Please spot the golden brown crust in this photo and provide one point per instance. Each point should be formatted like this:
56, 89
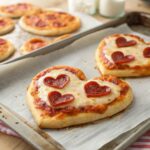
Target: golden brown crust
107, 67
6, 25
48, 118
50, 23
18, 10
6, 50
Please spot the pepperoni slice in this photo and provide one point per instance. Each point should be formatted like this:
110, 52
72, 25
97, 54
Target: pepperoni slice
10, 8
22, 6
60, 82
57, 99
2, 23
35, 44
51, 17
119, 58
122, 42
58, 24
40, 23
36, 21
93, 89
33, 19
2, 41
146, 52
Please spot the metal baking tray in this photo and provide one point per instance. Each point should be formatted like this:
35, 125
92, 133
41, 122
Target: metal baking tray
132, 19
140, 22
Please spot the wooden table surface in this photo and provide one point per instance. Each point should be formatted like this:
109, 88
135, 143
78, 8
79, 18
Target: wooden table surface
13, 143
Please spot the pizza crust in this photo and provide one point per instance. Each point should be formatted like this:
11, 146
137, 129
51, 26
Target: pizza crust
64, 120
7, 52
26, 47
10, 25
103, 64
71, 27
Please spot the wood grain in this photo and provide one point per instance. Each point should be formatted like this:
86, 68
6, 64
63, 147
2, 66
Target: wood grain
13, 143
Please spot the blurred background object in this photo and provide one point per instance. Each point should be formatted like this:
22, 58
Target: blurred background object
112, 8
147, 1
86, 6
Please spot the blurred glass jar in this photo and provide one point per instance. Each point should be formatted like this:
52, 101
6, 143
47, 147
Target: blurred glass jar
112, 8
86, 6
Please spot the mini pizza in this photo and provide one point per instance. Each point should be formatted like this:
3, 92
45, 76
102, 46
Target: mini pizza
33, 44
6, 25
50, 23
6, 49
61, 96
123, 55
18, 10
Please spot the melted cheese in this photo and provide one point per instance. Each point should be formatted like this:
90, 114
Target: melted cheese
76, 87
136, 50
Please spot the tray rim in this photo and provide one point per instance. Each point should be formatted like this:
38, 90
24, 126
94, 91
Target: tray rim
122, 21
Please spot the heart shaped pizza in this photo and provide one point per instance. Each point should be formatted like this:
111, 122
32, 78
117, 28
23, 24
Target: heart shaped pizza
61, 96
123, 55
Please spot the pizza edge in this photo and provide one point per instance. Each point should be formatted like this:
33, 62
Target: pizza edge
103, 64
9, 52
62, 120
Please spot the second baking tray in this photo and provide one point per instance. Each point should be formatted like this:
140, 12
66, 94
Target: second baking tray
79, 54
18, 36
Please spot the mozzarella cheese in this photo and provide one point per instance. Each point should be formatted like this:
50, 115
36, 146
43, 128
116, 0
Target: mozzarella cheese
76, 87
136, 50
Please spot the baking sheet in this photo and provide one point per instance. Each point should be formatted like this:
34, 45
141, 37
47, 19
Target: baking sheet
15, 77
18, 36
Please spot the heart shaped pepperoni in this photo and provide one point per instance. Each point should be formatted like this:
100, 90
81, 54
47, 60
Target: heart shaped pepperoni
57, 99
146, 52
119, 58
93, 89
2, 41
122, 42
60, 82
